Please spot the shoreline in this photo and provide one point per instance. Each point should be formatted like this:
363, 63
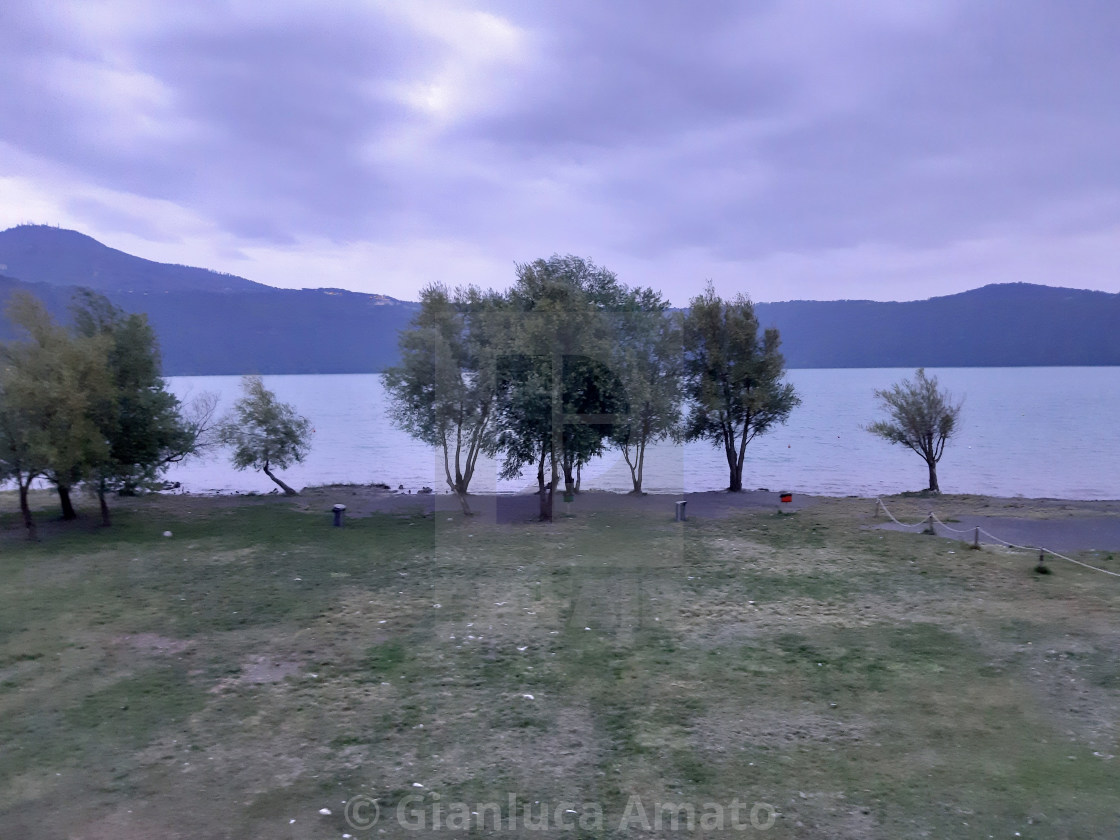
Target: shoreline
1056, 524
443, 493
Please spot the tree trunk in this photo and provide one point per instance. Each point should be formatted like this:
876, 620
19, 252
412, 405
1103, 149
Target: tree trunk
641, 466
933, 488
579, 476
288, 491
550, 497
735, 471
569, 479
462, 494
540, 474
630, 466
68, 512
556, 436
546, 497
635, 466
106, 520
25, 509
640, 448
734, 467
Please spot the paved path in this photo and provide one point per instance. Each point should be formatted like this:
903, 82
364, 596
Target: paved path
1073, 533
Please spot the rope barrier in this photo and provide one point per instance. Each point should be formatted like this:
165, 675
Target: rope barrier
1079, 563
932, 518
895, 521
949, 528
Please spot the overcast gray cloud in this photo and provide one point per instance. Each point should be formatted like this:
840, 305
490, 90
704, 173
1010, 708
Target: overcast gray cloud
789, 149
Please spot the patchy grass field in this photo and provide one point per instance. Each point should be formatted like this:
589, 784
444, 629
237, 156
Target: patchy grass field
259, 665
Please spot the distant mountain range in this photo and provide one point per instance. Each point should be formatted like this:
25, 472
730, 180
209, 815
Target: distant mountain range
208, 322
213, 323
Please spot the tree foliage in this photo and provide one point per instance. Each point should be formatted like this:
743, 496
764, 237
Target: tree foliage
922, 417
141, 421
445, 388
560, 396
733, 377
88, 405
52, 386
264, 432
570, 361
647, 359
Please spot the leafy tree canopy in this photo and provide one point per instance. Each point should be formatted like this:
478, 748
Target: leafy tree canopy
921, 417
51, 388
734, 377
560, 395
264, 432
445, 388
142, 421
647, 359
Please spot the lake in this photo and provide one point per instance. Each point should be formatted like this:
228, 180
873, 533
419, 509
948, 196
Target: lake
1024, 432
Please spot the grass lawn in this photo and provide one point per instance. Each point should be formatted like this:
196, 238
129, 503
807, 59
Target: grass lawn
259, 665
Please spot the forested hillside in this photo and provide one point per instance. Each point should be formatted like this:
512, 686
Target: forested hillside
210, 323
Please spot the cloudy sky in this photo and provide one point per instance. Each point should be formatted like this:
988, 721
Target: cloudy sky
883, 149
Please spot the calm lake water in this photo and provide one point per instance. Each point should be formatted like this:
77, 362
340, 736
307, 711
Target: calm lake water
1024, 431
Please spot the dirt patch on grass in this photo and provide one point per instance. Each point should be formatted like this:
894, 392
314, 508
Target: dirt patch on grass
727, 622
731, 729
548, 741
258, 670
152, 644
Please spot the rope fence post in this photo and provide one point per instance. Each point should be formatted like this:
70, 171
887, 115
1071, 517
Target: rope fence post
976, 538
1041, 568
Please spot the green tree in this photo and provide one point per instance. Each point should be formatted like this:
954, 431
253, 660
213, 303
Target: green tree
647, 360
50, 387
445, 388
922, 417
733, 377
264, 432
560, 397
144, 425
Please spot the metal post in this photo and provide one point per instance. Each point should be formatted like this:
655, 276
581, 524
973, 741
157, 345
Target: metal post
338, 511
681, 515
976, 538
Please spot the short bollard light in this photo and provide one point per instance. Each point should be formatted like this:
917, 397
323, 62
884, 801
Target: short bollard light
681, 515
338, 511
